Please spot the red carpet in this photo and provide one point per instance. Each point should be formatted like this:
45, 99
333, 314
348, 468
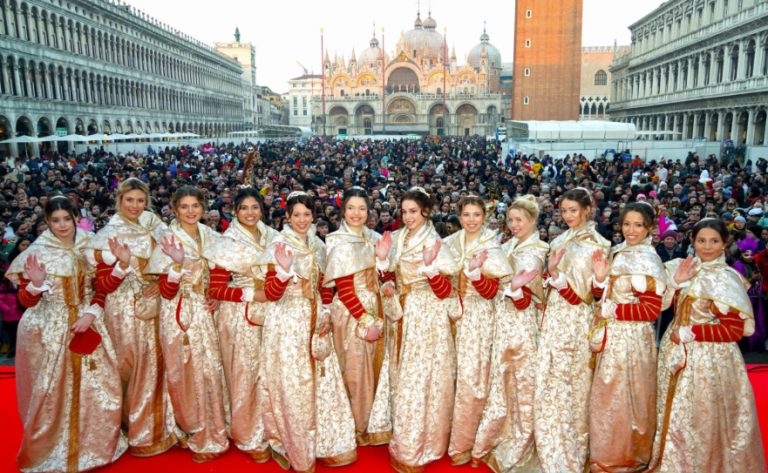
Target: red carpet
369, 459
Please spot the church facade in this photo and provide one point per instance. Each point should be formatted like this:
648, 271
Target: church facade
421, 89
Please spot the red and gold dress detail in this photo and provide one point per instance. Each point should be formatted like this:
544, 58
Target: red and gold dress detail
69, 403
239, 324
563, 373
505, 439
307, 416
622, 409
133, 324
423, 383
190, 344
474, 335
706, 415
351, 268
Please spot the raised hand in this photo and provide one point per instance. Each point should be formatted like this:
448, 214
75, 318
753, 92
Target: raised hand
283, 256
599, 266
430, 254
174, 250
383, 245
121, 251
554, 260
686, 270
522, 278
477, 260
35, 270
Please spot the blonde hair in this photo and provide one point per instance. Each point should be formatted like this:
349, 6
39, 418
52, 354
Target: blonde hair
132, 184
527, 204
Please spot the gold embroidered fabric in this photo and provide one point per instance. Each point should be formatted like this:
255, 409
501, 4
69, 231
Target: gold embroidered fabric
147, 410
505, 437
423, 385
69, 404
712, 419
307, 415
563, 375
623, 395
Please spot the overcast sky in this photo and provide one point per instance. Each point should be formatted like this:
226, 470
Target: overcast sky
286, 33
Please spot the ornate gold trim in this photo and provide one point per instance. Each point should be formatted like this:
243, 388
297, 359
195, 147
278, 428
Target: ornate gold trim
403, 468
73, 440
373, 439
339, 460
154, 449
280, 459
206, 457
258, 456
461, 458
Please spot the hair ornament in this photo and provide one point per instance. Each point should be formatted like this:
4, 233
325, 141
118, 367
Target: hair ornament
295, 194
420, 189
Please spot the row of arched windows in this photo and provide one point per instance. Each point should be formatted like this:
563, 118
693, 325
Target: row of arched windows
24, 77
726, 63
39, 26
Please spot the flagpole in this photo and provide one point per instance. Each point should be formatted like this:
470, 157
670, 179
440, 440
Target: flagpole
383, 67
322, 72
445, 73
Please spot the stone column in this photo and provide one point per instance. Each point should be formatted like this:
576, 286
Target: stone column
695, 131
684, 136
741, 71
751, 127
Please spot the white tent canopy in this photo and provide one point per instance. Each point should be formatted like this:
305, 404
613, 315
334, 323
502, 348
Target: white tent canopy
570, 130
96, 137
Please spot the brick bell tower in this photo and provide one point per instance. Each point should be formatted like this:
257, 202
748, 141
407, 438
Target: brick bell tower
547, 61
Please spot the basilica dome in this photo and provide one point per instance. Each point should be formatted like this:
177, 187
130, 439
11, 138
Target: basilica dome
422, 42
371, 56
494, 56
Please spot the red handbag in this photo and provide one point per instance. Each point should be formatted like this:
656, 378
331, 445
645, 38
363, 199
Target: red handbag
85, 343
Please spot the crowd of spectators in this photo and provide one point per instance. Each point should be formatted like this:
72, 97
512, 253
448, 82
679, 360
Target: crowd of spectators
683, 190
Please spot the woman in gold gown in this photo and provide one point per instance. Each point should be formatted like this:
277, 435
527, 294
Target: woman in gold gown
505, 438
706, 416
563, 374
188, 335
484, 265
307, 416
120, 251
241, 316
622, 407
423, 386
357, 314
67, 382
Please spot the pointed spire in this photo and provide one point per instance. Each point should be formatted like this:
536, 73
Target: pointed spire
484, 38
417, 24
453, 52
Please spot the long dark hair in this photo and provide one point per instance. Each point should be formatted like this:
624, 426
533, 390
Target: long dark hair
60, 202
712, 223
246, 192
355, 192
303, 199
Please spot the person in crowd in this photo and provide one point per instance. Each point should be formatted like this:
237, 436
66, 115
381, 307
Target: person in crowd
423, 386
484, 265
357, 314
745, 264
67, 382
188, 335
505, 438
564, 375
307, 415
240, 317
120, 252
701, 369
10, 307
622, 404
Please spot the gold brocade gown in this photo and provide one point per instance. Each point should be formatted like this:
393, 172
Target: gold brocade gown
69, 404
307, 416
563, 375
623, 395
364, 365
711, 418
240, 330
190, 346
474, 338
147, 411
423, 383
505, 439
